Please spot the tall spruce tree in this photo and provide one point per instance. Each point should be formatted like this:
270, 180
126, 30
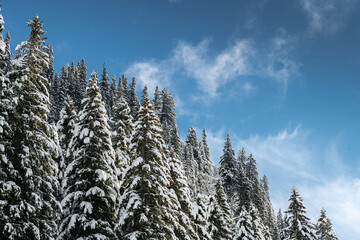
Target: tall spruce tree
244, 226
157, 100
122, 132
208, 175
242, 196
185, 225
66, 129
105, 88
324, 228
32, 211
91, 188
201, 223
112, 95
146, 206
300, 227
134, 103
228, 168
281, 224
8, 188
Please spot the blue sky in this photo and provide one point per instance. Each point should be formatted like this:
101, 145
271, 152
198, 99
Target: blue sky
282, 77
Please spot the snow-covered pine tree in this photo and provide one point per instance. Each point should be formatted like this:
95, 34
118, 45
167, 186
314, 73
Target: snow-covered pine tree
134, 103
218, 227
112, 95
221, 199
119, 90
200, 213
244, 226
261, 232
191, 169
300, 227
81, 69
157, 99
242, 196
91, 188
105, 88
122, 131
257, 193
8, 188
324, 228
32, 212
66, 128
124, 88
185, 225
146, 206
228, 168
49, 72
269, 218
281, 224
57, 98
208, 175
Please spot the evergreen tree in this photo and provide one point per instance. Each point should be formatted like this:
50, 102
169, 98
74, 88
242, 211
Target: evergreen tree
32, 211
228, 168
208, 175
49, 72
57, 98
81, 82
324, 228
300, 227
112, 95
105, 88
66, 128
124, 88
146, 206
244, 226
261, 232
91, 188
133, 99
257, 193
122, 131
191, 169
157, 100
242, 196
201, 218
120, 90
281, 224
185, 225
8, 188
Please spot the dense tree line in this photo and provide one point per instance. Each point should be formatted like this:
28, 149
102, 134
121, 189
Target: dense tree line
85, 159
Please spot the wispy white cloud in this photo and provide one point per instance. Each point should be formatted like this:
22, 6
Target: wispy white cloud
211, 71
327, 16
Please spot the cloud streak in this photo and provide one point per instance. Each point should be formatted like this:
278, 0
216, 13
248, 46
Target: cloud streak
210, 72
326, 16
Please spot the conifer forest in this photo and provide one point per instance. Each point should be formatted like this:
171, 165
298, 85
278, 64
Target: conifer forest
83, 155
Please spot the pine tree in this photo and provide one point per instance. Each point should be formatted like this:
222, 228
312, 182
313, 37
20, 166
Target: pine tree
324, 228
112, 95
66, 128
208, 175
49, 72
133, 99
168, 116
146, 206
218, 227
8, 188
257, 193
300, 227
32, 212
122, 131
57, 98
120, 90
201, 217
242, 196
157, 100
105, 88
91, 189
261, 232
81, 82
191, 169
228, 168
185, 225
244, 226
281, 224
124, 88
